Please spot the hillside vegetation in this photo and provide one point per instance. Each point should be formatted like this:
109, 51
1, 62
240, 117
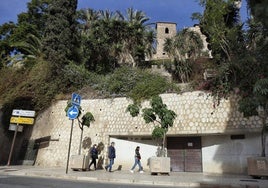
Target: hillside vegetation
55, 49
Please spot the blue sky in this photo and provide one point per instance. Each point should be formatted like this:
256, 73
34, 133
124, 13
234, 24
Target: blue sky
177, 11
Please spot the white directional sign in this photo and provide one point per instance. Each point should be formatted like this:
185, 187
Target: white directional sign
24, 113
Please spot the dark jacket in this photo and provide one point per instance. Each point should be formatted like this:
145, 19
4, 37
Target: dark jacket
94, 153
111, 152
137, 154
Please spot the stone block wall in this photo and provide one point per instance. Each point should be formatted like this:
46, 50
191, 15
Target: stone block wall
196, 115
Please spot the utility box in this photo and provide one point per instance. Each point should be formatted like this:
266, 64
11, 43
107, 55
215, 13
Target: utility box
79, 162
159, 164
257, 166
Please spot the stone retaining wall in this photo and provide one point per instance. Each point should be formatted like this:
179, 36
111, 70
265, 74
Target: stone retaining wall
196, 115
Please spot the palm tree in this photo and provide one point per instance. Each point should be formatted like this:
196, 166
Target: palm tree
138, 40
88, 16
184, 48
27, 48
107, 15
116, 39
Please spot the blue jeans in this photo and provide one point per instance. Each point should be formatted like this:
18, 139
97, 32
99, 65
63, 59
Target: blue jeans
109, 166
137, 162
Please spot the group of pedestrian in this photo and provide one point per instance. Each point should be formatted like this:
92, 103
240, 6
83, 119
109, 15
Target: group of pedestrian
112, 155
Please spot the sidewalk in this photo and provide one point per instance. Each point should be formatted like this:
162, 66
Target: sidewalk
174, 179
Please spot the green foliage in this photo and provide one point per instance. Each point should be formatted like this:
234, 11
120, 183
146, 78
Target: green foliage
158, 132
158, 113
87, 119
148, 115
184, 48
261, 87
134, 83
240, 56
75, 76
220, 22
166, 116
248, 107
60, 43
22, 41
133, 109
69, 104
259, 11
114, 39
122, 80
150, 85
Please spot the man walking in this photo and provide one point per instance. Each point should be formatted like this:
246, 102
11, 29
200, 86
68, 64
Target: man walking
111, 156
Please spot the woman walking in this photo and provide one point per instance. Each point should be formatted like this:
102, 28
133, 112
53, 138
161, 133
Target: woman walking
137, 160
94, 156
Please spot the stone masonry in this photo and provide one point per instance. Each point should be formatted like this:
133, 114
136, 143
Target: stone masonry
196, 115
164, 30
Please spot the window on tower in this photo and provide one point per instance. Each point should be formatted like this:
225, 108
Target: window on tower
167, 30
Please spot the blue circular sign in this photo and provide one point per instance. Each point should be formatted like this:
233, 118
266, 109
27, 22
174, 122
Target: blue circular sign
73, 112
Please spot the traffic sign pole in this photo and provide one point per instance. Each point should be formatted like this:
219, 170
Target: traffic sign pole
69, 146
12, 145
72, 113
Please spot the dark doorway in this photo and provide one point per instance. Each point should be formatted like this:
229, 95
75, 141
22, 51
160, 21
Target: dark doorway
185, 154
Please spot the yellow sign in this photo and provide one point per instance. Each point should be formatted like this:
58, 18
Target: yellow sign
22, 120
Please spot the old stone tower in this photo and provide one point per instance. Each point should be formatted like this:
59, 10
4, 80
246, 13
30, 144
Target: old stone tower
164, 30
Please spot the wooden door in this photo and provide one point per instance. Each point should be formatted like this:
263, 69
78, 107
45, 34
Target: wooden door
185, 154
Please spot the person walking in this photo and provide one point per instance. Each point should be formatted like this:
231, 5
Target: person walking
94, 156
111, 156
137, 160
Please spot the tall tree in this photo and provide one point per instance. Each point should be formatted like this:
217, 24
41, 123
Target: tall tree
241, 59
184, 48
61, 44
158, 114
36, 15
139, 35
113, 39
6, 31
254, 87
220, 23
22, 40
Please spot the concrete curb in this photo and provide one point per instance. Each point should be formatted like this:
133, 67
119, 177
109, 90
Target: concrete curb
190, 180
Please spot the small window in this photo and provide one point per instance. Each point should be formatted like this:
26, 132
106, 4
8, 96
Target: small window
167, 30
237, 137
163, 53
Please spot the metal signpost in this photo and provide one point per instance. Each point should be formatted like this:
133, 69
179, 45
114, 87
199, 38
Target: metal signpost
19, 120
72, 113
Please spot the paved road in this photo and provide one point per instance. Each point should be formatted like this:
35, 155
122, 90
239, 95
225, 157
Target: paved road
32, 182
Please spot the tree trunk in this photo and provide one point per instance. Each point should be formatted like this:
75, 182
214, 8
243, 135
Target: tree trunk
263, 134
80, 144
